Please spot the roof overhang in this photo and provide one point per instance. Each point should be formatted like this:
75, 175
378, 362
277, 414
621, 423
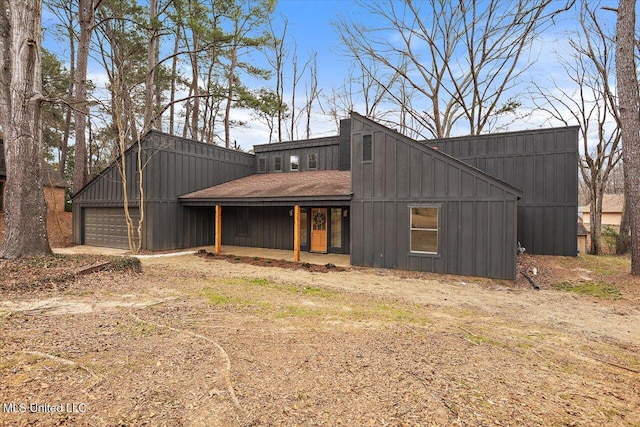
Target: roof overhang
311, 188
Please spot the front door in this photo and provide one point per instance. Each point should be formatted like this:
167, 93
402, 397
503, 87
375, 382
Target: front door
318, 230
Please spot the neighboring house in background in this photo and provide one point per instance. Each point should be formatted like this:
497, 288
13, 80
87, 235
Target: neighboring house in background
582, 237
611, 212
54, 187
385, 199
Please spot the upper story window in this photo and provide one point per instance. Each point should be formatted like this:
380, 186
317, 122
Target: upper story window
367, 148
424, 229
277, 163
312, 161
295, 162
262, 164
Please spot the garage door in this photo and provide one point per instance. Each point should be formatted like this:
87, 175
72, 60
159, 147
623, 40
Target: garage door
107, 227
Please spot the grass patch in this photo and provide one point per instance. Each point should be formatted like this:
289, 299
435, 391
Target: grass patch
591, 288
605, 265
317, 292
214, 298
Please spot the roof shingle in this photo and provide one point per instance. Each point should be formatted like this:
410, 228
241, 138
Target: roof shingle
280, 185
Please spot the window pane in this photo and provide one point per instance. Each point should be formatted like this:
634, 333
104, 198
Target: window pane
312, 162
262, 164
277, 163
424, 241
303, 227
319, 220
336, 228
295, 163
424, 218
367, 148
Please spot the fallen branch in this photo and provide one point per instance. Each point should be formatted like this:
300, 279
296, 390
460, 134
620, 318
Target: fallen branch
64, 361
225, 356
615, 365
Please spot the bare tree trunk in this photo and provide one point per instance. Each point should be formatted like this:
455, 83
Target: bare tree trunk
195, 89
67, 119
174, 77
622, 243
86, 16
595, 218
230, 91
20, 115
152, 61
629, 103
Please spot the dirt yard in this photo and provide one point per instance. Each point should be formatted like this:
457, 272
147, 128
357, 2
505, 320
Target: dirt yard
200, 341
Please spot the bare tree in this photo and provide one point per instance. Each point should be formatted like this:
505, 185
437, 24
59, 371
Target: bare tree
276, 55
312, 93
629, 104
592, 104
86, 17
461, 58
20, 115
64, 12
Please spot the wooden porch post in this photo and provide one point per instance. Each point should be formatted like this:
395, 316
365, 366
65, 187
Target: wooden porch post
296, 233
218, 248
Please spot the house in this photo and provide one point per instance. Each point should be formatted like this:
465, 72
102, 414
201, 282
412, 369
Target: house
54, 187
582, 237
612, 205
385, 199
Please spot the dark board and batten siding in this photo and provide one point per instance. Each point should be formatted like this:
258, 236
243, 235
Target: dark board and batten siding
541, 163
174, 166
270, 227
326, 150
477, 227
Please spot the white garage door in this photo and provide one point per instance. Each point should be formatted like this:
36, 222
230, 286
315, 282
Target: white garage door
107, 227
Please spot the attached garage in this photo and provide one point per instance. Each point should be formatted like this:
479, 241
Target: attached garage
107, 227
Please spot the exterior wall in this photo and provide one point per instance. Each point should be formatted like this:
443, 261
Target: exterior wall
543, 164
611, 219
174, 166
477, 224
55, 199
582, 244
326, 150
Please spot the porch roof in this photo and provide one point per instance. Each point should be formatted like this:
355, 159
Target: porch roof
277, 188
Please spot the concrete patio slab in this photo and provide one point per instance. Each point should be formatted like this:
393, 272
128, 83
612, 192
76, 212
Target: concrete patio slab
312, 258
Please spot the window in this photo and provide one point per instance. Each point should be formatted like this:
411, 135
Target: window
336, 228
294, 162
312, 161
262, 165
277, 163
367, 148
424, 229
303, 227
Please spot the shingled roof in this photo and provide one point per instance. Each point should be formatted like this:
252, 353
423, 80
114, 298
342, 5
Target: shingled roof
326, 184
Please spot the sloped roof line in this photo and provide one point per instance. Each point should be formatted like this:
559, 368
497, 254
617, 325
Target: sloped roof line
506, 186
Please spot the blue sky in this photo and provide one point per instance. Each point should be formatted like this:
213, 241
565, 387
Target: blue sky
309, 24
